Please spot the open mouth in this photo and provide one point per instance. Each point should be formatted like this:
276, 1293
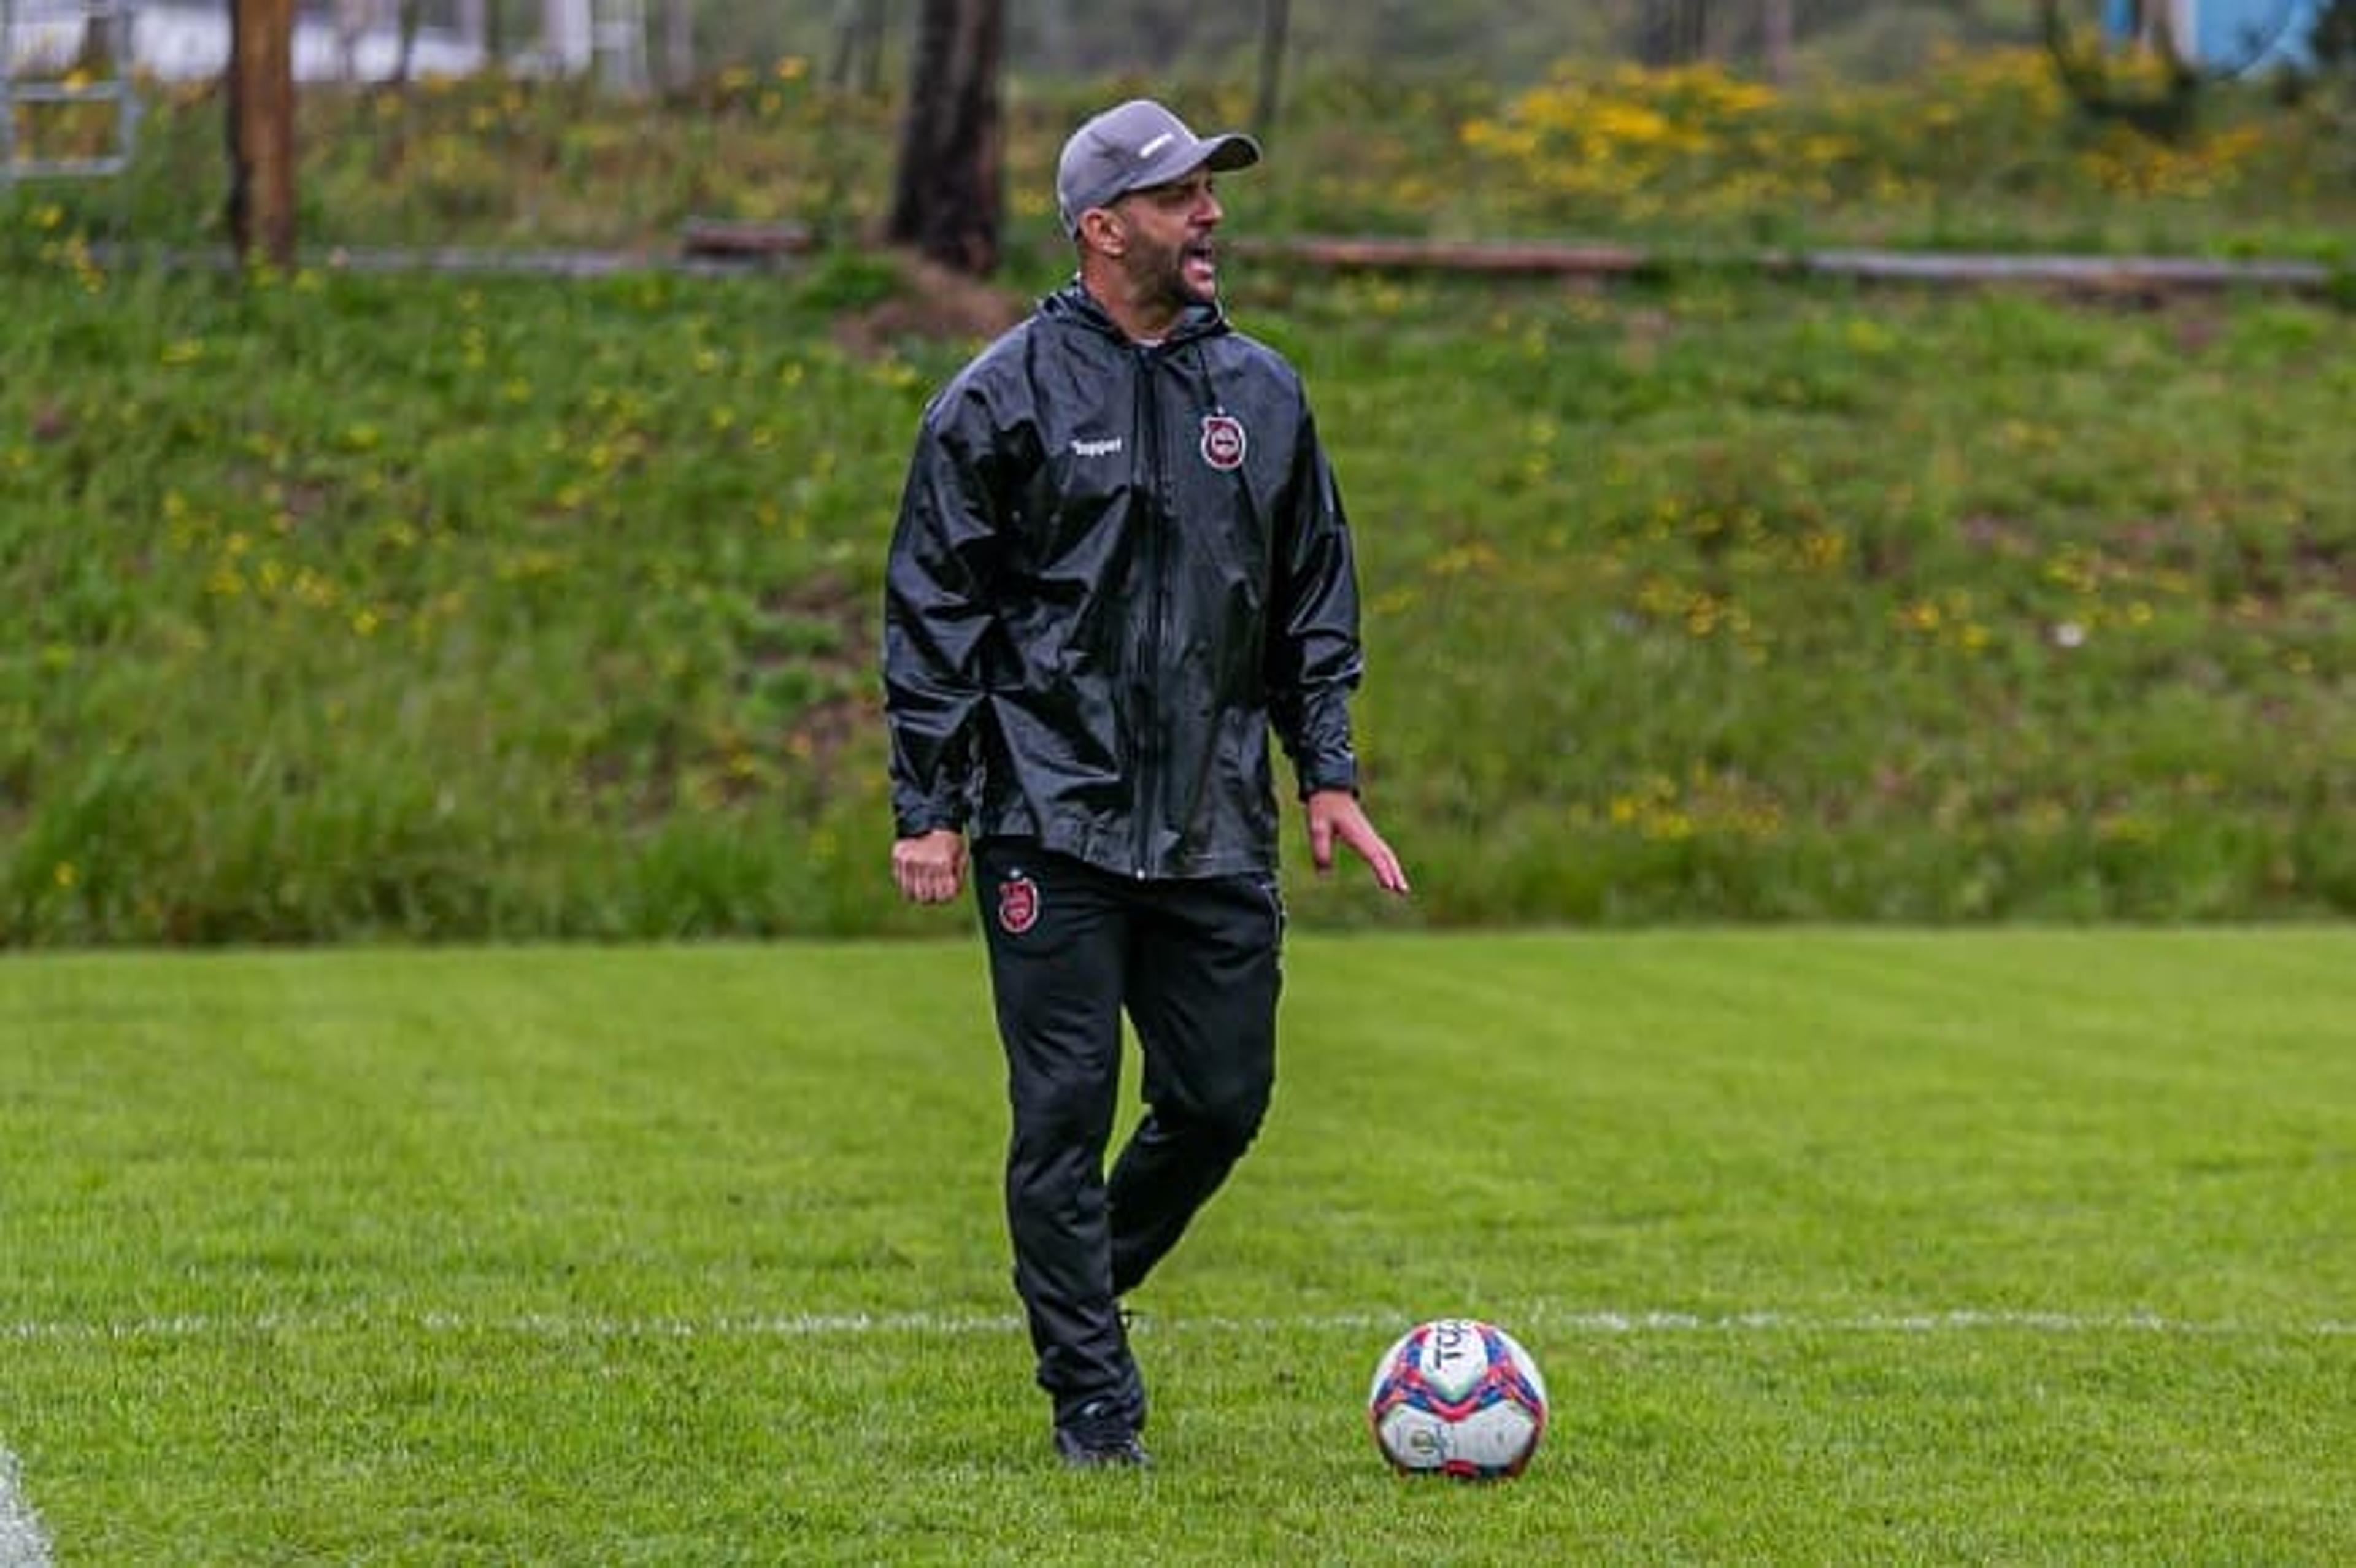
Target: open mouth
1201, 262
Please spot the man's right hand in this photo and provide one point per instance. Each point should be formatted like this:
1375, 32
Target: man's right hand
929, 867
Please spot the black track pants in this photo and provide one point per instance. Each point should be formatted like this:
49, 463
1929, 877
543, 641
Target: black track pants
1195, 964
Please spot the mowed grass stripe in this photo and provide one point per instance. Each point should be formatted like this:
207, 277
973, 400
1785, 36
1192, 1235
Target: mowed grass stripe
917, 1325
1835, 1246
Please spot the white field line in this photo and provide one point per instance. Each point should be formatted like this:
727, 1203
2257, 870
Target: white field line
22, 1544
863, 1325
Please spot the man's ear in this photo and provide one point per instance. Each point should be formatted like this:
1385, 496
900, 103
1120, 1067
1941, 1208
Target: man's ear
1104, 231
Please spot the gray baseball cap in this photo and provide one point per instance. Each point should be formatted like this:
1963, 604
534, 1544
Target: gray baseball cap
1134, 145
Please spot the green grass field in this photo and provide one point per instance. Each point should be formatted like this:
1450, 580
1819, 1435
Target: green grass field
2017, 1246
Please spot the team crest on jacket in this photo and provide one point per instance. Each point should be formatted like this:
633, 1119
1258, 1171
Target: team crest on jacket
1223, 441
1018, 904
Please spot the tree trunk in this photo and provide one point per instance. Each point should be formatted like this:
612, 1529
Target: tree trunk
952, 146
1672, 32
2167, 112
679, 45
1057, 50
1275, 34
1776, 39
409, 15
858, 29
261, 82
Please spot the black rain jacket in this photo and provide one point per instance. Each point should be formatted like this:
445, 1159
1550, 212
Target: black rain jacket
1116, 569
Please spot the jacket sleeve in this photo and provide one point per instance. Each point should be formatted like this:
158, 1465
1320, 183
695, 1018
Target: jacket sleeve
1314, 657
938, 615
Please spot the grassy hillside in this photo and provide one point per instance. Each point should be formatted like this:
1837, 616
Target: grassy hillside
351, 605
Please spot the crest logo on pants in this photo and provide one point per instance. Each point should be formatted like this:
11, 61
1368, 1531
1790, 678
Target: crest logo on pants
1223, 441
1018, 904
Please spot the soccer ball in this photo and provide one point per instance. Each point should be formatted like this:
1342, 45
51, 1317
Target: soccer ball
1457, 1397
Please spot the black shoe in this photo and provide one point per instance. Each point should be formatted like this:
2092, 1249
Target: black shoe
1099, 1432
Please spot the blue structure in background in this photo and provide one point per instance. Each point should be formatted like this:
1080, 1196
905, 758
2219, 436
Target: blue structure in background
2227, 34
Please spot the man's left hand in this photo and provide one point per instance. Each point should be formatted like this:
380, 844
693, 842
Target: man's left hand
1334, 815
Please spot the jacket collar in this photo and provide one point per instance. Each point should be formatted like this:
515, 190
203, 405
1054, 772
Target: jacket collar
1073, 305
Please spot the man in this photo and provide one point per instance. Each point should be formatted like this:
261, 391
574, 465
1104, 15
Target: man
1120, 560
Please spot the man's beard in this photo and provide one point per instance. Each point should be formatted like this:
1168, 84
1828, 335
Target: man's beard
1170, 270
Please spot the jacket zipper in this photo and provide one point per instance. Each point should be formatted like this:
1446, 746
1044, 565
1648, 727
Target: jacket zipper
1148, 751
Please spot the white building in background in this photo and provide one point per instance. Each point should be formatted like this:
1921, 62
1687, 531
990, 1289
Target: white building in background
356, 40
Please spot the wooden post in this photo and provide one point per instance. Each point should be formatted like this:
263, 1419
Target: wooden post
262, 130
